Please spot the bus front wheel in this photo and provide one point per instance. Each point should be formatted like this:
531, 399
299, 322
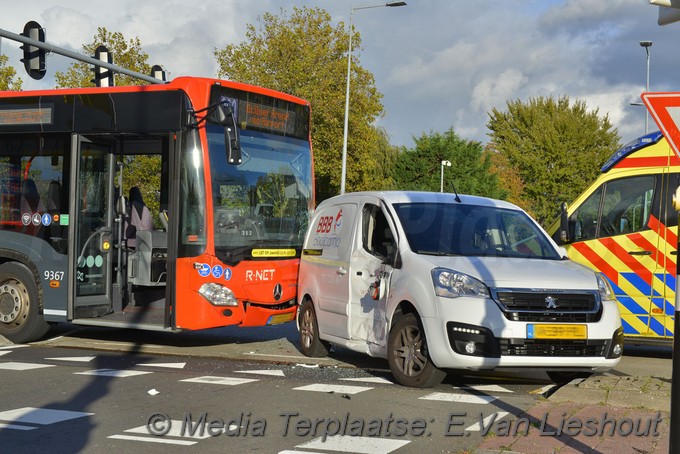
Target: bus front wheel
20, 320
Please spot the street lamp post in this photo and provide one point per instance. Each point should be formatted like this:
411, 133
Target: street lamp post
646, 45
441, 180
349, 72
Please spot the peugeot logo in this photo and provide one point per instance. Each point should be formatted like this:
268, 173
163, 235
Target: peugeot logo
278, 291
550, 303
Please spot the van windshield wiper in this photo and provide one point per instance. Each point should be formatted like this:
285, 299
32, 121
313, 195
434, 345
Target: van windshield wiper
438, 253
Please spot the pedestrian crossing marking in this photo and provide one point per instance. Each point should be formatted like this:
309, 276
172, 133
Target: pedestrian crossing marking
485, 388
117, 373
12, 365
78, 359
15, 427
4, 352
167, 365
324, 388
476, 427
379, 380
357, 445
459, 398
270, 372
40, 416
12, 346
167, 441
230, 381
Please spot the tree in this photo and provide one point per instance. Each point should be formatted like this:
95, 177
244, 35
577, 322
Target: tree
420, 168
555, 146
304, 55
128, 54
7, 75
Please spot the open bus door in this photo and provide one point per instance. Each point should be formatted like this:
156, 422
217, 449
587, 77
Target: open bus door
91, 254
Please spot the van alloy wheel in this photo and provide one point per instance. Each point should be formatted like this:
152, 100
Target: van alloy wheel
310, 344
408, 357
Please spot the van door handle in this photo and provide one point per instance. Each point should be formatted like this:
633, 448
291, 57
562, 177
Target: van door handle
341, 271
640, 252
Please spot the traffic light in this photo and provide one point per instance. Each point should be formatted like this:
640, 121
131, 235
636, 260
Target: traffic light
158, 72
103, 77
34, 57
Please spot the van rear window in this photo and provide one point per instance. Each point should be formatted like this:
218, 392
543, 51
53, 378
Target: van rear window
472, 230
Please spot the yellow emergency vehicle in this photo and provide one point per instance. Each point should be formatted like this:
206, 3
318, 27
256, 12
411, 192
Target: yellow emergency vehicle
625, 226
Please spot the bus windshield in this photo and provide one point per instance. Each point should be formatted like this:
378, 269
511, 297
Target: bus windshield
261, 206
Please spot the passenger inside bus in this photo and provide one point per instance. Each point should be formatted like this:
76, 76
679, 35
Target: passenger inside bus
139, 217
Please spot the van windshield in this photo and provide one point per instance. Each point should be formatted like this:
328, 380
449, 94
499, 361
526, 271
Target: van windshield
472, 230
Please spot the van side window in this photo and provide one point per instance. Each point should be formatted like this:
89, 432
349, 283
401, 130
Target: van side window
624, 207
376, 236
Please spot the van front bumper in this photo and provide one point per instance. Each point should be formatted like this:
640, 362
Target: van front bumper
485, 339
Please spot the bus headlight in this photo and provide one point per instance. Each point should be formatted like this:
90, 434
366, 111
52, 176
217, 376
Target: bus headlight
604, 288
452, 284
218, 295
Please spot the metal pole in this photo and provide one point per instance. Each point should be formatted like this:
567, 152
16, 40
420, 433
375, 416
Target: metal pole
67, 53
343, 177
674, 442
647, 91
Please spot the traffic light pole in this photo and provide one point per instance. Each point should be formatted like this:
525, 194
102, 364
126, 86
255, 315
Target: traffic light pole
76, 56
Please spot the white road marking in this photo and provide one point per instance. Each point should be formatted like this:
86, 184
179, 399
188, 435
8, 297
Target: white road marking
168, 365
149, 439
113, 373
23, 366
360, 445
79, 359
486, 388
323, 388
40, 416
476, 427
379, 380
15, 427
12, 346
271, 372
231, 381
459, 398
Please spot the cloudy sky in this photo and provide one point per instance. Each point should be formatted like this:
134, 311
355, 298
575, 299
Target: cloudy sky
439, 63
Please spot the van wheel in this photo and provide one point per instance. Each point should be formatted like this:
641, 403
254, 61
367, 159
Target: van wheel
408, 357
20, 320
310, 344
560, 377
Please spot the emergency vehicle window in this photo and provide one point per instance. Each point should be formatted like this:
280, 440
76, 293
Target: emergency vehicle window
377, 238
583, 223
669, 217
627, 205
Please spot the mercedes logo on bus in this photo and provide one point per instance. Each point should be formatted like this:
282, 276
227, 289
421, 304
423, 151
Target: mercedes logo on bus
278, 291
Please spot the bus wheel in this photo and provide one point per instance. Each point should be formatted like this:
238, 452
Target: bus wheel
20, 320
408, 357
310, 344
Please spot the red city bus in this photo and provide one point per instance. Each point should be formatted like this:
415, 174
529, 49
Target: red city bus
162, 207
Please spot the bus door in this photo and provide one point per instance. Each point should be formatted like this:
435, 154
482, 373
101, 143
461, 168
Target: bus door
91, 254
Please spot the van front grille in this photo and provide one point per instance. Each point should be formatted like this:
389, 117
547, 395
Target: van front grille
549, 306
551, 347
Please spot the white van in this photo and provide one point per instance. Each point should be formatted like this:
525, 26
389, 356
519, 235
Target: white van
436, 281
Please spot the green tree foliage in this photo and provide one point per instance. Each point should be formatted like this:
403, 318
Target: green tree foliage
7, 76
420, 168
556, 147
305, 55
128, 54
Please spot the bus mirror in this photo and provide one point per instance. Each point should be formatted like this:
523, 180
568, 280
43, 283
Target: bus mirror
564, 224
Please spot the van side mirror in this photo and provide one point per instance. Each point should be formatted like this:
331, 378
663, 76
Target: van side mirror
564, 225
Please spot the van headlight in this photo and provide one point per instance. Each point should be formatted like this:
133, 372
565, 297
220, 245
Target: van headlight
604, 288
452, 284
218, 295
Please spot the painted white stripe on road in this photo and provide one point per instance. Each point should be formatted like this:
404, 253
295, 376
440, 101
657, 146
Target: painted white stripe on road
15, 427
345, 389
460, 398
359, 445
40, 416
487, 421
271, 372
5, 352
79, 359
167, 441
117, 373
379, 380
220, 380
176, 430
23, 366
167, 365
485, 388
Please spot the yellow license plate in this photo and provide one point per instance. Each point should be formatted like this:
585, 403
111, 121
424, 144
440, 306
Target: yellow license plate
557, 332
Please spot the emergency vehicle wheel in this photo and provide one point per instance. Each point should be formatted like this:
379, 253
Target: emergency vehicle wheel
408, 357
310, 344
20, 320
